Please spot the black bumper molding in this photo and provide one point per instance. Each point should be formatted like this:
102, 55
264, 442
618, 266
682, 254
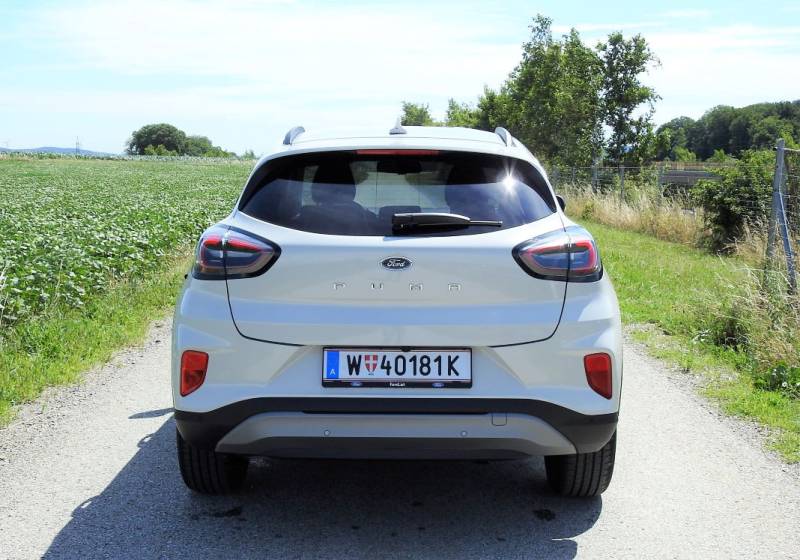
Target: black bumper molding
587, 432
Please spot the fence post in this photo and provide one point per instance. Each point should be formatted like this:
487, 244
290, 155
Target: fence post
595, 181
621, 183
660, 179
777, 203
573, 176
787, 250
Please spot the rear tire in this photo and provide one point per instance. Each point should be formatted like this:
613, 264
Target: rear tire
582, 475
209, 472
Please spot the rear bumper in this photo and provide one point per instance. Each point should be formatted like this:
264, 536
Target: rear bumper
395, 428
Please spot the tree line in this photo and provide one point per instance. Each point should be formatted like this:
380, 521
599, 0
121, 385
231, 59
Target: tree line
726, 130
575, 105
164, 139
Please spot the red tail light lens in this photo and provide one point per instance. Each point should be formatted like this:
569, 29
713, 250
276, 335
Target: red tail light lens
598, 373
569, 255
230, 253
194, 365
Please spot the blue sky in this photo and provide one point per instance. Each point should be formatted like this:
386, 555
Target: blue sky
244, 72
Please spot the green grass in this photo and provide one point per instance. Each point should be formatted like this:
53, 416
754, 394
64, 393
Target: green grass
670, 287
59, 347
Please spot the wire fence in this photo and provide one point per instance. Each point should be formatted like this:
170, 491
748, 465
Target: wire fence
778, 209
669, 177
784, 220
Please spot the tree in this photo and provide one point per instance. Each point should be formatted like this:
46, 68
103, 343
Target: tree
552, 98
623, 94
461, 114
198, 146
766, 132
416, 115
677, 131
712, 131
684, 154
494, 109
562, 93
161, 134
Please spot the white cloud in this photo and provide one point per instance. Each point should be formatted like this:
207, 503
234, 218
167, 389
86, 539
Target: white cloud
280, 63
338, 49
732, 65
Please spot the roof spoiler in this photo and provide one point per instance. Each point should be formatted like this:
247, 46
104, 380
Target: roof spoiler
292, 134
505, 136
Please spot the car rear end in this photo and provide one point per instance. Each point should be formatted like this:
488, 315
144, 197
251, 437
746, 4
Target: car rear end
316, 324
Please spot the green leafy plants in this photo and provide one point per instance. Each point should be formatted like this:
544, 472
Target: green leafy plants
73, 227
93, 250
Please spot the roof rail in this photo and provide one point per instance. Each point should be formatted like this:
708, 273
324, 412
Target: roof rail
292, 134
508, 140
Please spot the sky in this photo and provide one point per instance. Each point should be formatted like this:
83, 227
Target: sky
242, 73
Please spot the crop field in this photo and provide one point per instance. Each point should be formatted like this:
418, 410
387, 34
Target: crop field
92, 251
73, 227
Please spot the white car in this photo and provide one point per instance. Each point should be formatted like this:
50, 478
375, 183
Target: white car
408, 293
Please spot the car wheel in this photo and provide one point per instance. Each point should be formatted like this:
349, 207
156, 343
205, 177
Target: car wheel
582, 475
209, 472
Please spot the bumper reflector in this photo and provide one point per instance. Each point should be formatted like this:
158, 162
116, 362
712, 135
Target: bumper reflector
193, 371
598, 373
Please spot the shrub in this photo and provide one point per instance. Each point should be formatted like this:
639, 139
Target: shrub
741, 197
159, 150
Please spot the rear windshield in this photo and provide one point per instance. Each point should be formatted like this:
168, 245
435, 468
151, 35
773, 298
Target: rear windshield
357, 193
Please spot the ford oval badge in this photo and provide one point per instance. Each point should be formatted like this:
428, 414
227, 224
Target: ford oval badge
396, 263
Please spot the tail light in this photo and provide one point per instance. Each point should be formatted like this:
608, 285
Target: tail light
569, 255
193, 371
230, 253
598, 373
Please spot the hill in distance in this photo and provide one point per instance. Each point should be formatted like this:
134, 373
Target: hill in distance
54, 150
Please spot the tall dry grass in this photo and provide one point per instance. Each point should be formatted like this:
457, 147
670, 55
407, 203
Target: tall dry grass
674, 219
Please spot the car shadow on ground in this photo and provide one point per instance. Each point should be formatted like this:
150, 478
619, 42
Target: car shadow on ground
327, 509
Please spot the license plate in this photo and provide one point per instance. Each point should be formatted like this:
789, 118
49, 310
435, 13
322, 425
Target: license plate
368, 367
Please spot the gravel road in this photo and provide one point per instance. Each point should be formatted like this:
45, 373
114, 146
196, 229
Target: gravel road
90, 472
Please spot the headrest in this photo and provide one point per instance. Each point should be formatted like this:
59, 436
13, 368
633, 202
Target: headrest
466, 174
333, 184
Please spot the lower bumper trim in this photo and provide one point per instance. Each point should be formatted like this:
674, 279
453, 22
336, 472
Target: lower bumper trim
389, 436
586, 432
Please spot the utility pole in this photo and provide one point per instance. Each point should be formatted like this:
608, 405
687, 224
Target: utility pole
77, 146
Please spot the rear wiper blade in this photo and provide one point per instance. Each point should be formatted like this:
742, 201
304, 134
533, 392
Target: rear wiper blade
416, 220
